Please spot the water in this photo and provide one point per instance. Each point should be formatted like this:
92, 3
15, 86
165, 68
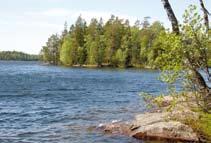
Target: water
51, 104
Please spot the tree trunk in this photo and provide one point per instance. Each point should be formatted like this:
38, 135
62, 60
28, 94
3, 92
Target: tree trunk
205, 11
171, 16
201, 83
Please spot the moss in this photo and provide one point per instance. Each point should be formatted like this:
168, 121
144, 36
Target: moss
201, 125
205, 125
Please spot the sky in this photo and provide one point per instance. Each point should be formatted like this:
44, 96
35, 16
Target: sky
25, 25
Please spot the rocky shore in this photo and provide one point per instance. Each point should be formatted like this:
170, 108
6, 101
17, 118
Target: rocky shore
161, 124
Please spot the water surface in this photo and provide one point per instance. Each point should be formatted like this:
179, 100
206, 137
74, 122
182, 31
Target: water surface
51, 104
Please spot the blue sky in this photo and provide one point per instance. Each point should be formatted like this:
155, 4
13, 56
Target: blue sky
25, 25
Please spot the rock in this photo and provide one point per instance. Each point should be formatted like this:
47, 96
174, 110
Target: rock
166, 124
160, 126
152, 126
118, 128
171, 130
156, 126
148, 118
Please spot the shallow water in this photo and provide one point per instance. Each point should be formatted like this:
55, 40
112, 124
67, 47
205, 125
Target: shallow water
51, 104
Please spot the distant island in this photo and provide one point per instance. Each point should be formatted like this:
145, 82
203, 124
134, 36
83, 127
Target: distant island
113, 43
17, 56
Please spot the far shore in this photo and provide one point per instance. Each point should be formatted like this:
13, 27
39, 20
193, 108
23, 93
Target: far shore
104, 66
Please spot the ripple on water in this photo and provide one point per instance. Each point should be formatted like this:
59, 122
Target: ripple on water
54, 104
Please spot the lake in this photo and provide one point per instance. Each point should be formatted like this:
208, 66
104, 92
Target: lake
52, 104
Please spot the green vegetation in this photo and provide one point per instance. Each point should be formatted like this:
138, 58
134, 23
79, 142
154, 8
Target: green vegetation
17, 56
184, 54
205, 125
50, 52
115, 43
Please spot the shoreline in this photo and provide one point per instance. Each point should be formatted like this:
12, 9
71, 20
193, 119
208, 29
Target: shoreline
161, 124
101, 67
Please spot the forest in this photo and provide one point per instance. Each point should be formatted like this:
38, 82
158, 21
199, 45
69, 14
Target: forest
17, 56
115, 43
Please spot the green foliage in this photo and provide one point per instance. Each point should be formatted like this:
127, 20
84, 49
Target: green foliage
81, 55
120, 57
196, 39
170, 57
101, 50
79, 31
92, 48
114, 43
185, 52
65, 52
17, 56
50, 52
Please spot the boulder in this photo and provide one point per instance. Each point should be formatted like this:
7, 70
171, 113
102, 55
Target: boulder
160, 126
148, 119
171, 130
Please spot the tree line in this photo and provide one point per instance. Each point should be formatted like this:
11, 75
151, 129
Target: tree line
17, 56
114, 43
